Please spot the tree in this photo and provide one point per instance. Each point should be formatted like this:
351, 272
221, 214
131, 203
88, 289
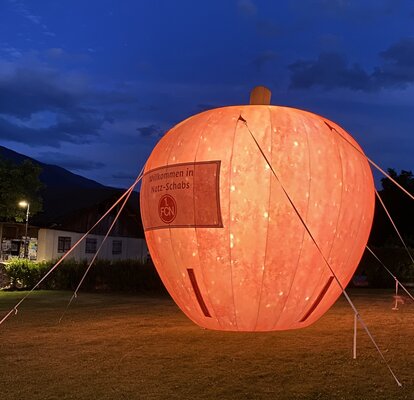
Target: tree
19, 182
400, 207
404, 178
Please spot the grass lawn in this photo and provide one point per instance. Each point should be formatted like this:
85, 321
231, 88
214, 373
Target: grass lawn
137, 347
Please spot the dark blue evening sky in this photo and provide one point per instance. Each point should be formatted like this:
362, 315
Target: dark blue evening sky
92, 85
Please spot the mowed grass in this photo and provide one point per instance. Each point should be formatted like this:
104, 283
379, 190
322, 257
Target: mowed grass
136, 347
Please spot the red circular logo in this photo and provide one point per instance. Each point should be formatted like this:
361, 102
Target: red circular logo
167, 209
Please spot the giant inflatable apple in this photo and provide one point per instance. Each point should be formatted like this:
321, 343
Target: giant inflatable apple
226, 241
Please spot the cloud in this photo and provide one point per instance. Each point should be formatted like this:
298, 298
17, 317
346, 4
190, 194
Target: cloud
48, 33
332, 70
123, 176
24, 11
268, 28
71, 108
25, 90
337, 6
114, 97
69, 161
55, 52
398, 67
59, 54
264, 58
355, 10
400, 53
330, 42
10, 51
78, 131
150, 131
246, 8
329, 71
264, 27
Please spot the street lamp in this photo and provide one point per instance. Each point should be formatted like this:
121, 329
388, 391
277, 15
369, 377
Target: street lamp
25, 204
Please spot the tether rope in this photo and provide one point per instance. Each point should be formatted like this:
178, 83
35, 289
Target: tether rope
389, 271
354, 347
324, 258
15, 308
395, 183
372, 162
395, 226
75, 293
396, 297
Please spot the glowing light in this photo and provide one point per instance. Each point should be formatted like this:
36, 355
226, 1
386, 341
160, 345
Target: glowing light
263, 269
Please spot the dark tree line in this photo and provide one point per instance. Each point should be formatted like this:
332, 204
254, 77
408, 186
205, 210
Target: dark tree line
19, 181
401, 208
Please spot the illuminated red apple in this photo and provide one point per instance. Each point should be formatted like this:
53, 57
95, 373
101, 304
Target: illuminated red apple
224, 238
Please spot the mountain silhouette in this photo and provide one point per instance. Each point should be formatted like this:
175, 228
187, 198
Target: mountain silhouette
51, 175
66, 194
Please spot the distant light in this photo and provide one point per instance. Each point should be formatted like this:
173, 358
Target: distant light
23, 203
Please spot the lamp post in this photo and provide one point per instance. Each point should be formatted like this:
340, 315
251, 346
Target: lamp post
26, 205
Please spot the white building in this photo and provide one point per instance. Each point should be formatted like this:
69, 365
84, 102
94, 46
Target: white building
53, 232
53, 244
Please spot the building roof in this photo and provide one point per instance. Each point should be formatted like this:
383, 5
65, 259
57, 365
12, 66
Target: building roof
77, 210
